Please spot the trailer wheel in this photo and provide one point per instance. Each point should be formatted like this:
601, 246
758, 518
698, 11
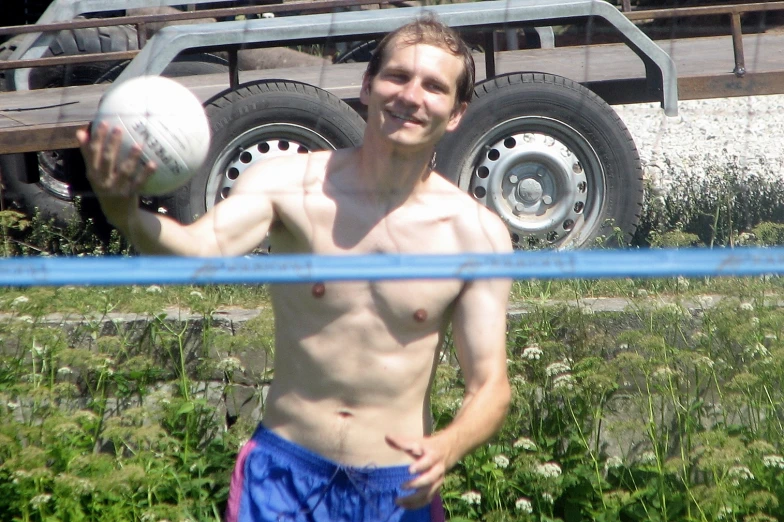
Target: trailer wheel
551, 158
257, 121
59, 174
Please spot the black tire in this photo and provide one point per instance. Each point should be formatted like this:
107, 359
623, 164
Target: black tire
26, 197
256, 121
361, 52
551, 158
58, 176
81, 41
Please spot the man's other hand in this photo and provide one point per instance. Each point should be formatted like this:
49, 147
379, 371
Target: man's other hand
430, 464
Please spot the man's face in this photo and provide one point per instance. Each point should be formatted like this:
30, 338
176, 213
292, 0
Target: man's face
411, 100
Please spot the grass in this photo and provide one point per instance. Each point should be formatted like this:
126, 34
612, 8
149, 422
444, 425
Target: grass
659, 412
130, 403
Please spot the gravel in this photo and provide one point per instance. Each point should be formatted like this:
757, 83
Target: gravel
708, 137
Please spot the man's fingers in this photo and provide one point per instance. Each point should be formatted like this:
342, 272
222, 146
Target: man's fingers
412, 447
423, 463
433, 475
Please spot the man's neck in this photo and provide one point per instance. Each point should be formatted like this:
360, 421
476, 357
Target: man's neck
391, 176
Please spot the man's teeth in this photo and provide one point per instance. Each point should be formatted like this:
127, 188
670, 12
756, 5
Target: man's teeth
402, 116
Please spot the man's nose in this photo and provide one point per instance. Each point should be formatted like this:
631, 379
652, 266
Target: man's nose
412, 92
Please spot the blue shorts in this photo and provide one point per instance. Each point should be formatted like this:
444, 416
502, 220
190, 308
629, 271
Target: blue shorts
278, 481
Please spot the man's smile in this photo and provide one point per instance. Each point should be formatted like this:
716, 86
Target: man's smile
403, 117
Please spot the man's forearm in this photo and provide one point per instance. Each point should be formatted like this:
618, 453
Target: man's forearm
480, 417
148, 232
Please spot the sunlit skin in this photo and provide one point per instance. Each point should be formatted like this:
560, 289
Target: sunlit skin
354, 361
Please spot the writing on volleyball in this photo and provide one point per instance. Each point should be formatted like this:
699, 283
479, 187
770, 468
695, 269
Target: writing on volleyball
155, 147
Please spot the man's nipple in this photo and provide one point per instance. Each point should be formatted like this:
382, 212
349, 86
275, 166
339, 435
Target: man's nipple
420, 315
318, 290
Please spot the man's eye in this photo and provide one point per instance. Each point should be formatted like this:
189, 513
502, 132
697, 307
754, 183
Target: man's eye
397, 78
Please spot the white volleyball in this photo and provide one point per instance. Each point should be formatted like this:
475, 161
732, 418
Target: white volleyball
167, 120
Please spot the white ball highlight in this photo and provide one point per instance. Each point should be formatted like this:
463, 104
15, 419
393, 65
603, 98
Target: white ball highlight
167, 120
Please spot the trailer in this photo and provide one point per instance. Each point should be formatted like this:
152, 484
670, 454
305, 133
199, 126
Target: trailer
540, 144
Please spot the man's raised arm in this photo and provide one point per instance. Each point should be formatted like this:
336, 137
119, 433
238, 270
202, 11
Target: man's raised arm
226, 230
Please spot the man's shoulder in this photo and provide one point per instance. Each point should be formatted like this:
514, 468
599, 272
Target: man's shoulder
477, 227
290, 171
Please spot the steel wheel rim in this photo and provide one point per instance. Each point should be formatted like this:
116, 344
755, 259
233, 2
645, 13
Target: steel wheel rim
257, 144
542, 177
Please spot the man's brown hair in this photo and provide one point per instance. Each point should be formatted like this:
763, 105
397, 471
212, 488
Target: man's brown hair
427, 29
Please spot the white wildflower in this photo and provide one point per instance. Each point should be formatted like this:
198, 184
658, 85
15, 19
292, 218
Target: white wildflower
532, 352
39, 500
525, 443
22, 299
746, 307
683, 282
757, 350
565, 382
198, 294
548, 497
230, 364
663, 372
642, 292
12, 405
613, 462
557, 368
724, 512
82, 486
154, 289
502, 461
738, 473
20, 474
471, 497
518, 380
773, 461
586, 310
648, 457
65, 370
524, 505
755, 321
705, 301
548, 470
704, 362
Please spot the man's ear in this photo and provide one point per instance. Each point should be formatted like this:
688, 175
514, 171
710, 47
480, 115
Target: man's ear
364, 93
457, 115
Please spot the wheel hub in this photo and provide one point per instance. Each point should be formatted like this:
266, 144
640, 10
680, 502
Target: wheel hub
535, 183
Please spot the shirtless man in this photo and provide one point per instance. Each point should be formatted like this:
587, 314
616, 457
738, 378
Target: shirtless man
346, 434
